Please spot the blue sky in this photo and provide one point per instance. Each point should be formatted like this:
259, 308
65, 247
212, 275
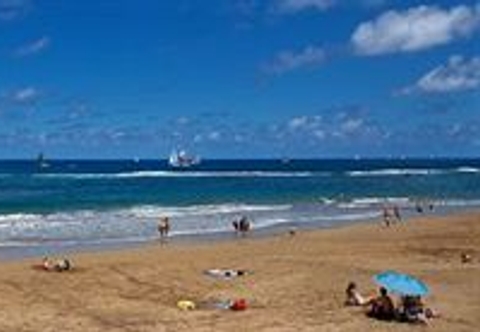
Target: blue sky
239, 78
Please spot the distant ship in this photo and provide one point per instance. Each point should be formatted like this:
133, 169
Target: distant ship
181, 159
41, 162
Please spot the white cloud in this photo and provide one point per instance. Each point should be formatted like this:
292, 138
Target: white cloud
320, 134
341, 127
210, 136
286, 61
415, 29
455, 130
297, 123
214, 136
198, 138
25, 95
294, 6
304, 123
33, 47
458, 74
351, 125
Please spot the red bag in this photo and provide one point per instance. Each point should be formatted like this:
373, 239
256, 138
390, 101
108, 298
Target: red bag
239, 305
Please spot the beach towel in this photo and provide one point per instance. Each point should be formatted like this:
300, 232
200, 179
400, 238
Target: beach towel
230, 304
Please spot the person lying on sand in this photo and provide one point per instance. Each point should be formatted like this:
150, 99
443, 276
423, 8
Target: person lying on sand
225, 273
58, 265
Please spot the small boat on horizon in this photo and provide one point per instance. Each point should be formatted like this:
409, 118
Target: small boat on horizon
181, 159
41, 162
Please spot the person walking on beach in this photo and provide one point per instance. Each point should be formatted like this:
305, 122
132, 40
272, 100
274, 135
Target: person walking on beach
242, 226
419, 207
164, 227
396, 213
387, 217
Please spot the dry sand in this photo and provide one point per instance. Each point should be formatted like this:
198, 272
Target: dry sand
297, 285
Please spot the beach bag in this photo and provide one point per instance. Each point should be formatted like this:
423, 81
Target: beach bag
239, 305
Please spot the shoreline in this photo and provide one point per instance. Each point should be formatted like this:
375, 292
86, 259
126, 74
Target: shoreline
16, 253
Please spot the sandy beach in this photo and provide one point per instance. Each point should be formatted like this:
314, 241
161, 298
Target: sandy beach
297, 282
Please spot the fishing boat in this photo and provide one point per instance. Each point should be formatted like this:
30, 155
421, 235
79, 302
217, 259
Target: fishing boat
181, 159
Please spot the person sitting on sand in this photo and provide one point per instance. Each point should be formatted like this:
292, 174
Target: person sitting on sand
382, 306
353, 297
164, 227
413, 310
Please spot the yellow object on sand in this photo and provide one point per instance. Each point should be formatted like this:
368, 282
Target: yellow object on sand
186, 305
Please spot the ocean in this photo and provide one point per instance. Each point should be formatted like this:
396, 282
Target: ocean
99, 203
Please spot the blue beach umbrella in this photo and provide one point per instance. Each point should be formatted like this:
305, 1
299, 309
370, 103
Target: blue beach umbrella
400, 283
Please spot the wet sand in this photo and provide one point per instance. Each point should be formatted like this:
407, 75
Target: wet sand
297, 282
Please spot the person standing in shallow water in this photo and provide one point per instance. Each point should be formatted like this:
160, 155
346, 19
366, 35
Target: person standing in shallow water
164, 227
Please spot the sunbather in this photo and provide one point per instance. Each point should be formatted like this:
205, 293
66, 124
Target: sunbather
225, 273
58, 265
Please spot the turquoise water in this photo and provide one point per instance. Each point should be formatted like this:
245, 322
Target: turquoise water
71, 203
